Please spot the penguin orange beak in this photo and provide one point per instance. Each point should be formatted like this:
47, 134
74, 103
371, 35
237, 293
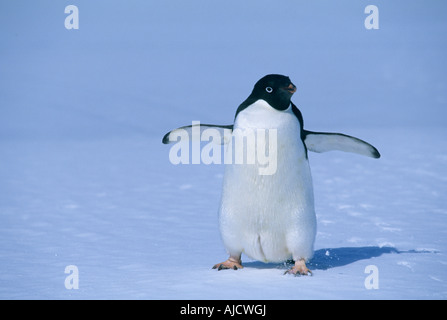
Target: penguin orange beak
291, 88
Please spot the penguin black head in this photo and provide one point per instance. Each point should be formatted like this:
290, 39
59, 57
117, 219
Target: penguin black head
276, 89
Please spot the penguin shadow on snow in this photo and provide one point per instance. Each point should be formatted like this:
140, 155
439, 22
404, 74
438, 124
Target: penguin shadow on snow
328, 258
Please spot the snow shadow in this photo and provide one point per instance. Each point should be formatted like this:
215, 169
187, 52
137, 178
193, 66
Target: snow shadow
328, 258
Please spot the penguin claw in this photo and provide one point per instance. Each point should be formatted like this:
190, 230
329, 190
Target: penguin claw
299, 273
221, 267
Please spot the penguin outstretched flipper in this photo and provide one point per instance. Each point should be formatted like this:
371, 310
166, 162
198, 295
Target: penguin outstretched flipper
326, 141
194, 132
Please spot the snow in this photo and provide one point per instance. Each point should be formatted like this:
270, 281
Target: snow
86, 181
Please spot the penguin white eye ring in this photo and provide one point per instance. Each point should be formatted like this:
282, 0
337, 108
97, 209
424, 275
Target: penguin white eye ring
271, 218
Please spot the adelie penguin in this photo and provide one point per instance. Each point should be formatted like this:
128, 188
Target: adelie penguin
271, 218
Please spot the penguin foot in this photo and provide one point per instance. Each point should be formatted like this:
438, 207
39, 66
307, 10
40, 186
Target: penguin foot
299, 269
231, 263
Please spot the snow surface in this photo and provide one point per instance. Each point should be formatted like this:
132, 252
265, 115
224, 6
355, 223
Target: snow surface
86, 181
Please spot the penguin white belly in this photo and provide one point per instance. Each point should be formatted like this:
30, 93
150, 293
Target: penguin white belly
269, 217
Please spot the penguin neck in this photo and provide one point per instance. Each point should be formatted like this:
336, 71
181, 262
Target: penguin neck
260, 114
252, 100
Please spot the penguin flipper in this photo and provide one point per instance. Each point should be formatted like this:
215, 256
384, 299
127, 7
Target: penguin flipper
326, 141
194, 132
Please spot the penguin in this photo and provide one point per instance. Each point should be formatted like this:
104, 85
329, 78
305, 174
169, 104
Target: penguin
271, 218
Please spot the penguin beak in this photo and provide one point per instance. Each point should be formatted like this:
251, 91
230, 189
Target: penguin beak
291, 88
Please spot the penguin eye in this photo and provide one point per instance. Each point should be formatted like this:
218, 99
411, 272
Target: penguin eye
269, 89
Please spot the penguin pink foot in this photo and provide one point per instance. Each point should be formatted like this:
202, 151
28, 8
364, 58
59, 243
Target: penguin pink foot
231, 263
299, 269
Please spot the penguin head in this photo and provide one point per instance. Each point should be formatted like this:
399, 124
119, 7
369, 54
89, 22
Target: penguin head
275, 89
